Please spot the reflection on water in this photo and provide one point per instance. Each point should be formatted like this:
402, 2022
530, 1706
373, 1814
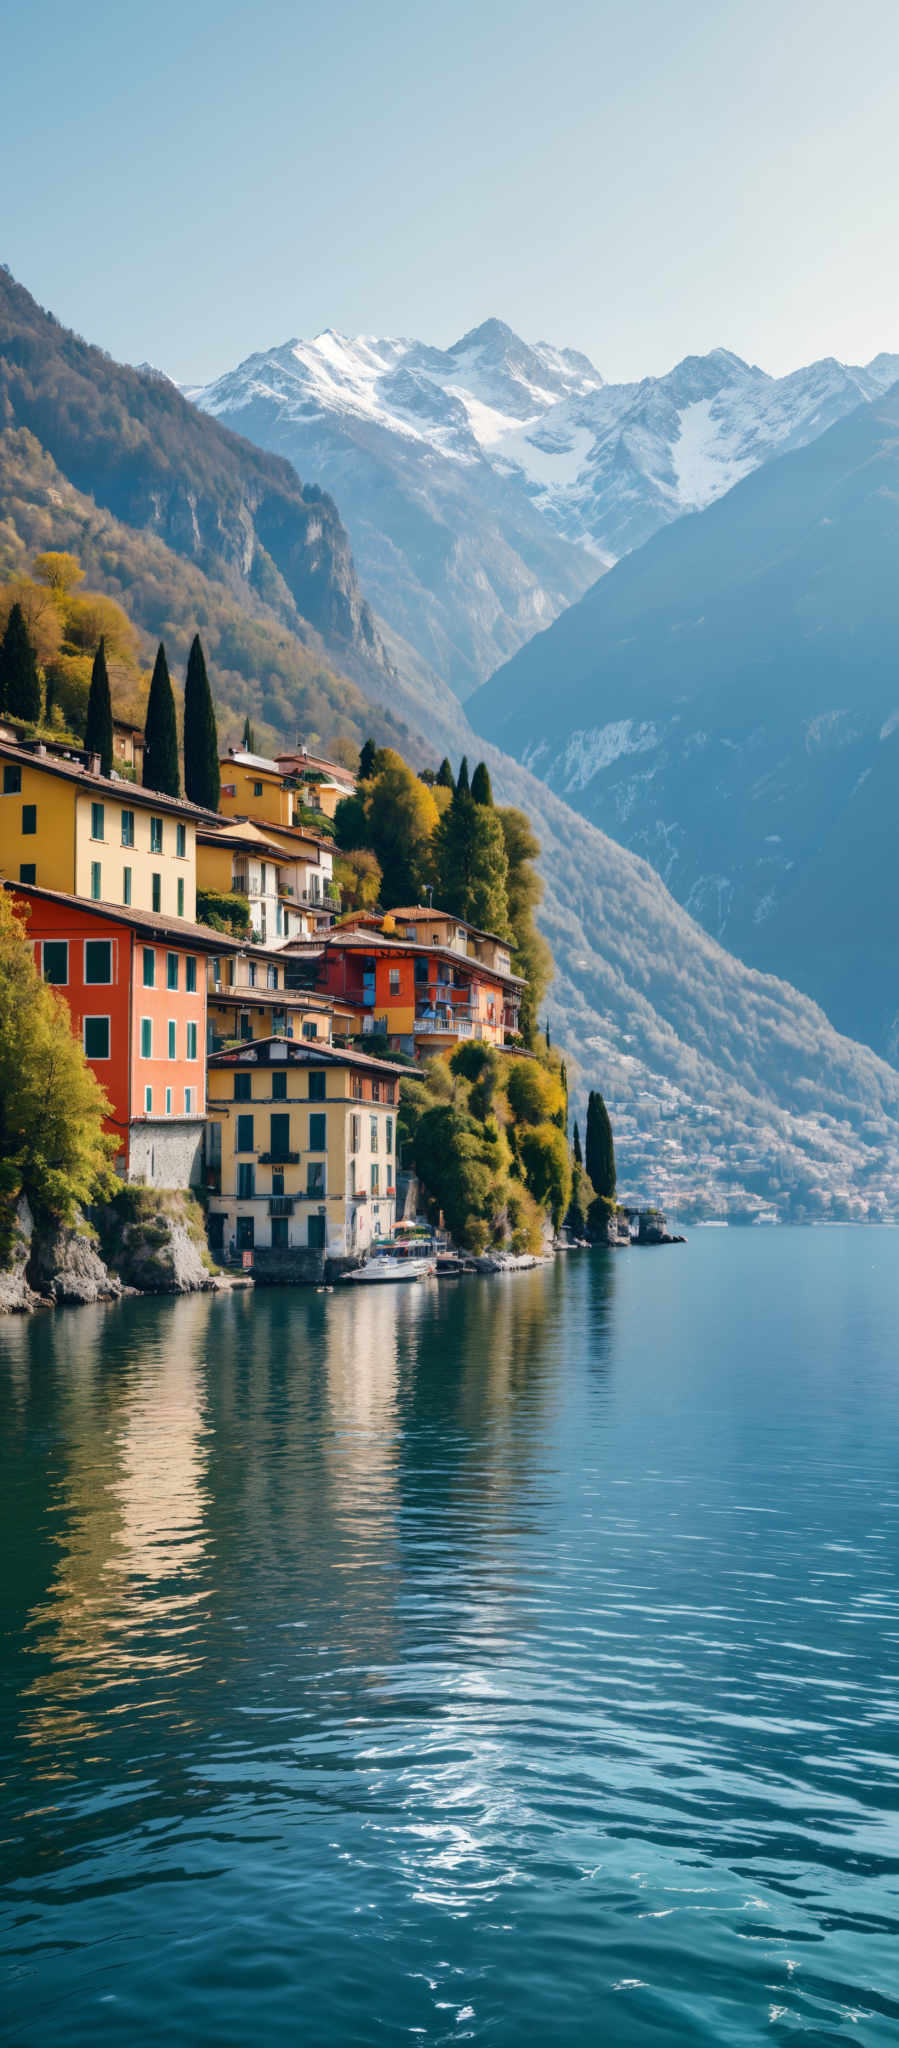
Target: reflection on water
464, 1662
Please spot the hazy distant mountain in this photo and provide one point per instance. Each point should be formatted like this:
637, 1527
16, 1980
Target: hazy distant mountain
726, 702
487, 485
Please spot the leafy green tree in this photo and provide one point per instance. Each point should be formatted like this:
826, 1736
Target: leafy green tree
480, 785
599, 1151
547, 1168
202, 782
161, 732
98, 725
531, 955
351, 823
445, 776
53, 1148
20, 689
400, 815
359, 878
470, 863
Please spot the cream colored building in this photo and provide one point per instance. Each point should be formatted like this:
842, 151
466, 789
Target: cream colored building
301, 1149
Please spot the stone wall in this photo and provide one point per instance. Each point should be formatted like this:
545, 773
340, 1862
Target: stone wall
166, 1152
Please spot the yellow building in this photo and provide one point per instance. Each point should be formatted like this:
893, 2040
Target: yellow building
301, 1153
63, 826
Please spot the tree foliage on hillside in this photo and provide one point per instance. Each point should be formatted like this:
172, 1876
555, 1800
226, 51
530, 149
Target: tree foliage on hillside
53, 1148
480, 1129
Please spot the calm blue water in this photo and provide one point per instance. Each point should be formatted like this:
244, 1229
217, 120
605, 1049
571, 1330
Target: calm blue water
510, 1660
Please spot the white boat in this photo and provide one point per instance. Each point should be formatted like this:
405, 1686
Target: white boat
387, 1266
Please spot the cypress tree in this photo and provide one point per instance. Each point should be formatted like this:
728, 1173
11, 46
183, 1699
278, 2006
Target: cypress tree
462, 788
20, 689
480, 785
576, 1146
445, 776
98, 729
249, 738
368, 761
161, 732
599, 1157
202, 782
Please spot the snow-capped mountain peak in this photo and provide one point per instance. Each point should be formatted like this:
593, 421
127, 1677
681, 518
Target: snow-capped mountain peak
484, 485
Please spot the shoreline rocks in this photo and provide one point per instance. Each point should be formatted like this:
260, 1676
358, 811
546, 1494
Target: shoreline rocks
143, 1241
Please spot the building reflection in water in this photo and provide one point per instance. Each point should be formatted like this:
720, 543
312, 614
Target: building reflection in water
126, 1503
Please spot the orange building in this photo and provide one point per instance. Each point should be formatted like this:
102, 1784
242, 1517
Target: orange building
423, 997
135, 984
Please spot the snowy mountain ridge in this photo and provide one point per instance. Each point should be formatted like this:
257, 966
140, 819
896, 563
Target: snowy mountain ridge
420, 444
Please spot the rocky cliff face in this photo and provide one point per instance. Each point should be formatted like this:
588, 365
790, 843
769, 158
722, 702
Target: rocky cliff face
140, 1242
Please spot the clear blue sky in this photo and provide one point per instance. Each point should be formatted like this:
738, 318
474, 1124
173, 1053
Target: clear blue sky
186, 183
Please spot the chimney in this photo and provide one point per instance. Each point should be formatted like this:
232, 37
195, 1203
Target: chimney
95, 764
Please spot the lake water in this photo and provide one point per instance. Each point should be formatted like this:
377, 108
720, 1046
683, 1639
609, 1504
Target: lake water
504, 1661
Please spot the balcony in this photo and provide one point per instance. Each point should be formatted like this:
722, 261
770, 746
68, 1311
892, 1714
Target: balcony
450, 1027
359, 1195
280, 1205
279, 1159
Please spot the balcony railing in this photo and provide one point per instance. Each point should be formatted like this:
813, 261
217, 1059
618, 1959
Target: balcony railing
280, 1205
453, 1027
279, 1159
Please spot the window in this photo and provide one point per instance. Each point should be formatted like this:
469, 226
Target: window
375, 1177
279, 1087
271, 977
157, 892
318, 1127
97, 960
146, 1038
280, 1135
171, 970
317, 1084
257, 789
216, 974
191, 1041
244, 1134
279, 924
394, 981
27, 871
96, 1038
168, 1102
181, 841
149, 967
277, 1180
355, 1132
252, 973
373, 1138
96, 881
242, 1087
310, 1031
190, 974
188, 1102
127, 828
388, 1147
376, 1091
148, 1101
29, 819
12, 781
389, 1091
356, 1087
315, 1177
173, 1053
246, 1181
56, 961
126, 885
180, 895
155, 835
98, 821
279, 1233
